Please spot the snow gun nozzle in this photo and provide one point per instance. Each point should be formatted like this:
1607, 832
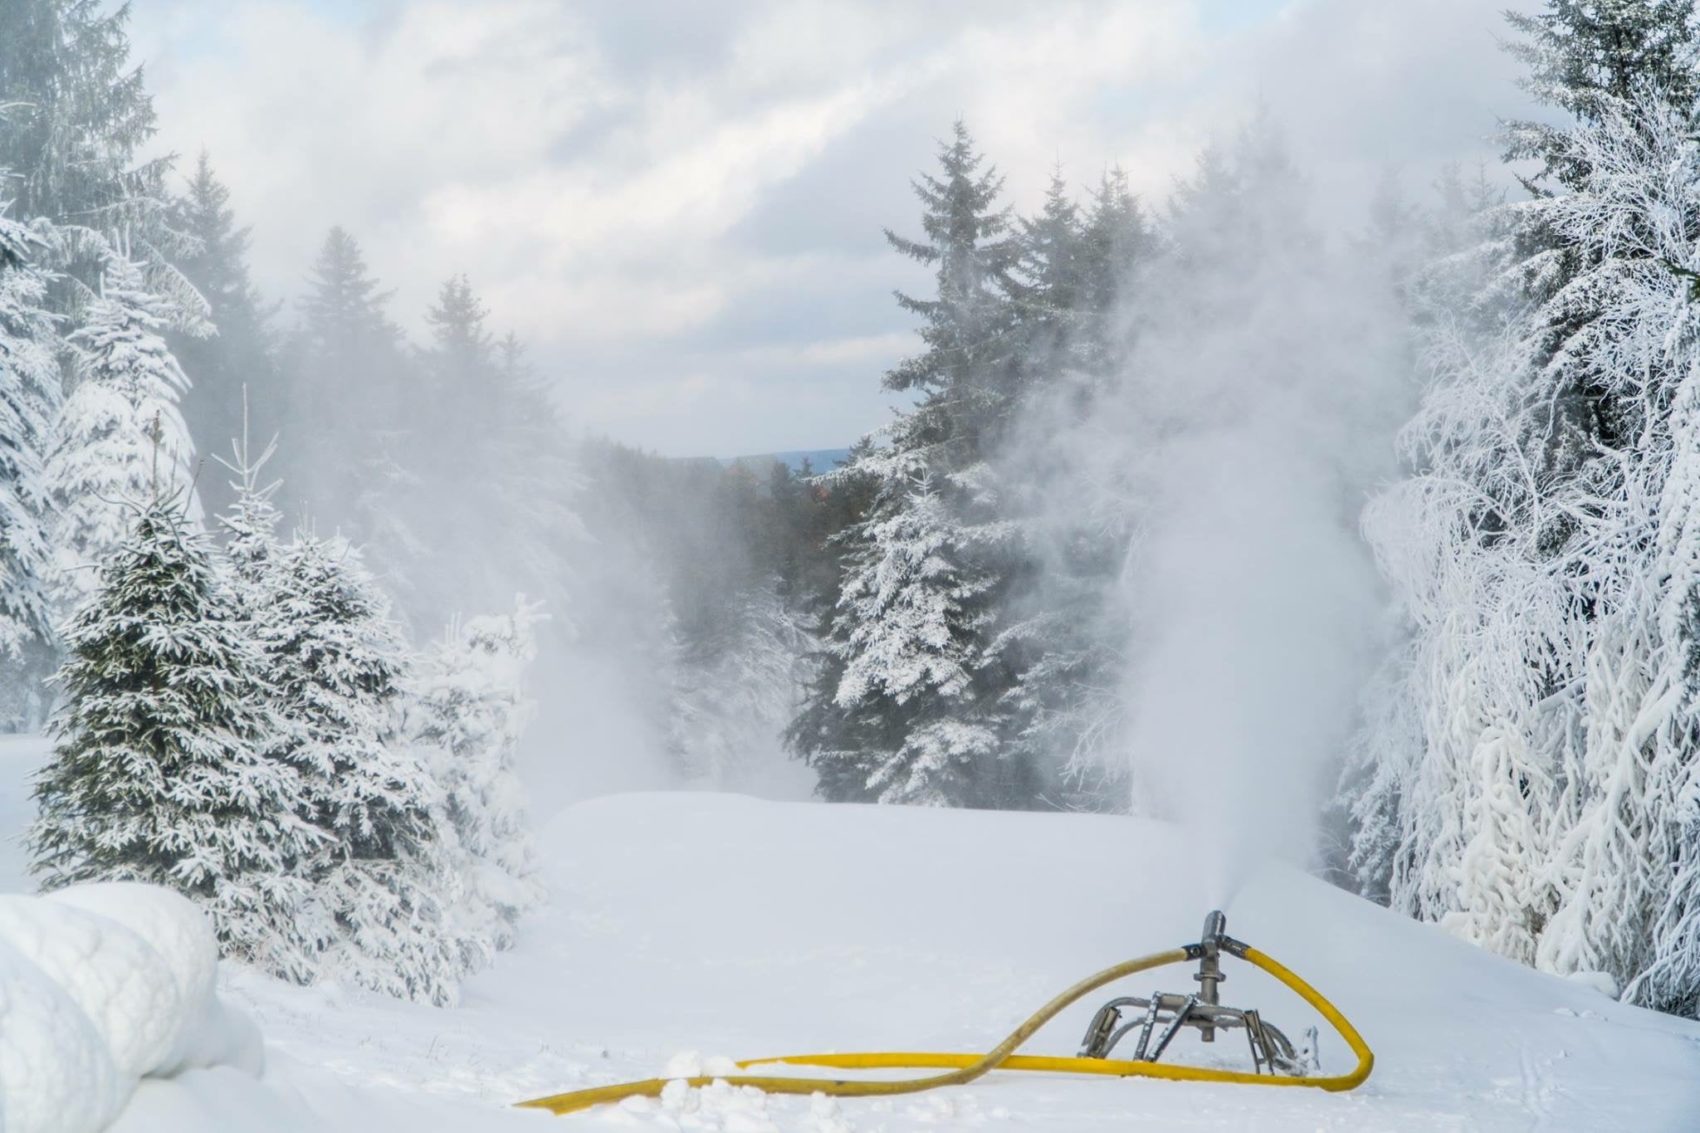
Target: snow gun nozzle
1215, 940
1157, 1019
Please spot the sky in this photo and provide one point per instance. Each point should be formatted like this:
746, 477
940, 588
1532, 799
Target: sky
679, 206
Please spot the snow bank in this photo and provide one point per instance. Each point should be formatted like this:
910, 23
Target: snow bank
102, 986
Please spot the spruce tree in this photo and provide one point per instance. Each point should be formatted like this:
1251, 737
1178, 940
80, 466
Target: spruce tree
382, 900
382, 907
914, 714
76, 115
965, 374
119, 438
1058, 629
29, 397
910, 622
1117, 242
227, 369
344, 378
159, 772
1051, 271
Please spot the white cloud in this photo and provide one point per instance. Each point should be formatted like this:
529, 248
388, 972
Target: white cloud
680, 208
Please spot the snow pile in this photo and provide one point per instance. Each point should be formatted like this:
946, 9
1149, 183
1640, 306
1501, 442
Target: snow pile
103, 985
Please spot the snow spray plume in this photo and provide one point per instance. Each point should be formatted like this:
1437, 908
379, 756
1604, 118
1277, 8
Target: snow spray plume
1230, 450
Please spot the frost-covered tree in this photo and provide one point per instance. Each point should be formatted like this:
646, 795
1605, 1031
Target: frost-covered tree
29, 397
381, 909
119, 438
735, 688
76, 113
907, 708
1585, 60
1538, 792
470, 711
159, 772
913, 718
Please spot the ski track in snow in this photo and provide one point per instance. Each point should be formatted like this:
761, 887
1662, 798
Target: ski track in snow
690, 928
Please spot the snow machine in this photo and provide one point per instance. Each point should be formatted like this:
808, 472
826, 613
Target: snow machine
1162, 1016
1157, 1019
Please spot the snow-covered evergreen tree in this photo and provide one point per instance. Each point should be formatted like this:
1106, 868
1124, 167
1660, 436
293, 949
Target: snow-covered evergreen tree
913, 718
29, 397
383, 893
382, 909
77, 112
1535, 789
235, 366
470, 711
912, 712
158, 772
119, 438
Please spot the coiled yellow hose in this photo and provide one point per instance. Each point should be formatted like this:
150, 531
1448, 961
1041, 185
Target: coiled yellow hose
965, 1068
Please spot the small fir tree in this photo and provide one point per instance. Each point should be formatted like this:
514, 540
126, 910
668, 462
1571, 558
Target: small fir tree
382, 906
159, 772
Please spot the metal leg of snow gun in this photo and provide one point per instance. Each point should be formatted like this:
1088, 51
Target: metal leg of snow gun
1274, 1060
1271, 1050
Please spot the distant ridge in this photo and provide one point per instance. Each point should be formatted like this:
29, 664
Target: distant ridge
820, 459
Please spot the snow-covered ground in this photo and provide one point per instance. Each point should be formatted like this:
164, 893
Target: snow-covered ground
721, 925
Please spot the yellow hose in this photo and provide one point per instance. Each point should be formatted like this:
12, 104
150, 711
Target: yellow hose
967, 1067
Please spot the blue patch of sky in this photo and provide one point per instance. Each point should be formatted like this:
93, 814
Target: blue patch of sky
1232, 15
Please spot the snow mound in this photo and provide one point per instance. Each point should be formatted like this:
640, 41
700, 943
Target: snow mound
102, 986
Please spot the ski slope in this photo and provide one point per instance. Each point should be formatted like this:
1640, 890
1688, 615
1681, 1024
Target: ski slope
685, 928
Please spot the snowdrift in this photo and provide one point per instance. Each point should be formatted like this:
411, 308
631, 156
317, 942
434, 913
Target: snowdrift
100, 987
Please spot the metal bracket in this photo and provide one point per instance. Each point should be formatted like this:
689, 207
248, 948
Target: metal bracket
1271, 1051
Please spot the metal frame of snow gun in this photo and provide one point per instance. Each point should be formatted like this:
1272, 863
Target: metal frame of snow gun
1274, 1060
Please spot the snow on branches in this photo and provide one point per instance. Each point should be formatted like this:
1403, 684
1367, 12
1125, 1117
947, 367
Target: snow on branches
1546, 553
119, 439
469, 712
